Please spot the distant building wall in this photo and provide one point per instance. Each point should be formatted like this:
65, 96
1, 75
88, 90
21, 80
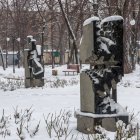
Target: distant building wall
10, 59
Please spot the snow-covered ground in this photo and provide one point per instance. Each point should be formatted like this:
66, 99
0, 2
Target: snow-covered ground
50, 100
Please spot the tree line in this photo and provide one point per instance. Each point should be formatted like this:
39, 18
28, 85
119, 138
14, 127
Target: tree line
58, 24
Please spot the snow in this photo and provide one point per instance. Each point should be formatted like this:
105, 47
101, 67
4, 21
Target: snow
50, 100
78, 112
114, 106
18, 39
51, 50
110, 42
93, 2
89, 20
33, 40
81, 40
111, 18
38, 48
104, 47
39, 65
11, 52
30, 36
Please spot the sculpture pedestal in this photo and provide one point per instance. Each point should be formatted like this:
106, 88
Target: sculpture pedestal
86, 122
34, 83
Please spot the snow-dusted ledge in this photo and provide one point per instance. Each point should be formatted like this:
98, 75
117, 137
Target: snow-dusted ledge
91, 115
111, 18
121, 112
89, 20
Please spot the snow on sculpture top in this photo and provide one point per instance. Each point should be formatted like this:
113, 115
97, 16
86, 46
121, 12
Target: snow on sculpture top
89, 20
111, 18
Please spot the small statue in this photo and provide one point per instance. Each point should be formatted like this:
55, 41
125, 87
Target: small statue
34, 59
34, 69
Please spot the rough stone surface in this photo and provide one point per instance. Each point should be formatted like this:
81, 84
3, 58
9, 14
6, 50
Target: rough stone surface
27, 70
85, 124
37, 82
27, 83
87, 42
87, 94
109, 124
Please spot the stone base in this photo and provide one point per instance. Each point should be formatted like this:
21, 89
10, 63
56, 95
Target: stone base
34, 83
86, 122
54, 72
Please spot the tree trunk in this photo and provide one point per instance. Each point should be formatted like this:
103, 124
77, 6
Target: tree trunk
127, 66
74, 47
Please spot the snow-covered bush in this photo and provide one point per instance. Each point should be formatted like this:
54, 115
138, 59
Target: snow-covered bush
11, 84
124, 131
57, 125
4, 124
56, 83
21, 122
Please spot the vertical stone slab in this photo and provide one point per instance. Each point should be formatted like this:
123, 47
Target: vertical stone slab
87, 42
87, 95
109, 124
27, 70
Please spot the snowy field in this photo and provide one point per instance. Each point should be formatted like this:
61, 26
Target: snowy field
52, 100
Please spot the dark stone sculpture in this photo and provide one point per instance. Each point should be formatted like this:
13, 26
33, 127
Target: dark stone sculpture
34, 70
103, 50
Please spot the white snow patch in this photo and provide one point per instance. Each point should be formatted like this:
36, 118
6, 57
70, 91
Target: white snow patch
29, 36
40, 66
78, 112
111, 18
33, 40
81, 40
38, 48
89, 20
104, 47
109, 41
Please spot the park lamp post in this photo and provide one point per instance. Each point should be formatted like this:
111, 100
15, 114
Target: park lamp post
138, 51
18, 56
42, 33
42, 39
13, 45
133, 42
7, 40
